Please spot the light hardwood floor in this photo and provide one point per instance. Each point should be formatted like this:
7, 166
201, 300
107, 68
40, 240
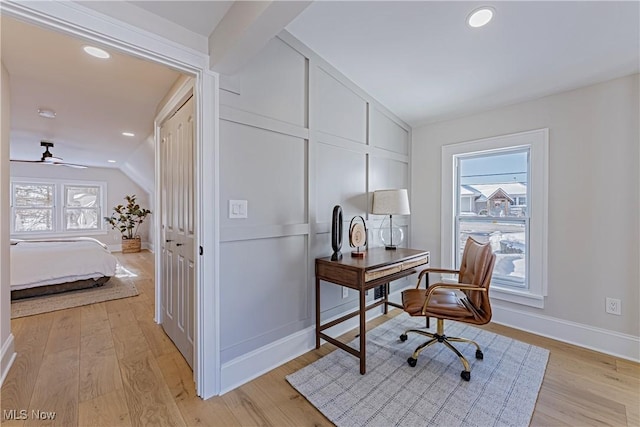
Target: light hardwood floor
109, 364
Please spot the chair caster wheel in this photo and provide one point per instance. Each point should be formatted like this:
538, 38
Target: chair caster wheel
479, 354
403, 337
466, 375
412, 362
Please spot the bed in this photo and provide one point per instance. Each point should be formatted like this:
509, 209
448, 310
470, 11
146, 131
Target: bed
43, 267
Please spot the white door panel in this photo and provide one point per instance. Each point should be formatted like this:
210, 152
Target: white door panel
177, 216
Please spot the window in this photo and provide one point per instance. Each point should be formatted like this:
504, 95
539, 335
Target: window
33, 206
495, 190
82, 207
56, 207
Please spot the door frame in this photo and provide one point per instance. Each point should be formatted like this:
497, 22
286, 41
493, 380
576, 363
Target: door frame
78, 21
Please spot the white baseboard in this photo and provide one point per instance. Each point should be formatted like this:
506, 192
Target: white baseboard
609, 342
7, 356
262, 360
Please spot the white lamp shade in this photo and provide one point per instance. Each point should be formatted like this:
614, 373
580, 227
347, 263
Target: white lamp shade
391, 202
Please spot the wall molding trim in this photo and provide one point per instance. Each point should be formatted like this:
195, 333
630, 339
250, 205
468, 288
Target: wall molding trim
262, 360
7, 357
602, 340
247, 367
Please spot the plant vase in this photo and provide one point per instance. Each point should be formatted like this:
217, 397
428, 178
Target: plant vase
131, 245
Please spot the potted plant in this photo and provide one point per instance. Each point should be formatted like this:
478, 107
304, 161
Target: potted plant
126, 219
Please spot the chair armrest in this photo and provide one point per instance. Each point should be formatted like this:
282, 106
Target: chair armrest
455, 286
434, 270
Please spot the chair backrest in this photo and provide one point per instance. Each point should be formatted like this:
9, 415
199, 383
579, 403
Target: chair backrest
476, 269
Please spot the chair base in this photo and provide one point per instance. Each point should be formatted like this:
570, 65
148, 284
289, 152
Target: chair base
440, 337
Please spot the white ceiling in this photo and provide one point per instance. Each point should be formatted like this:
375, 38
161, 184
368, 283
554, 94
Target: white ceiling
95, 100
424, 63
417, 58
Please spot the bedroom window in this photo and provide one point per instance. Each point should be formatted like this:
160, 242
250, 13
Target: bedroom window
82, 207
33, 207
56, 208
495, 190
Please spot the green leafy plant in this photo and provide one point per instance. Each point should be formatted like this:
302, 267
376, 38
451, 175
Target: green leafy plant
127, 218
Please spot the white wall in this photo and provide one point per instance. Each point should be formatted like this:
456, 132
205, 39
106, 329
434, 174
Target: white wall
118, 185
594, 203
7, 353
296, 139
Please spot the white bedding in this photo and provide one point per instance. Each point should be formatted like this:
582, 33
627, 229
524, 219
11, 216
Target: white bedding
41, 263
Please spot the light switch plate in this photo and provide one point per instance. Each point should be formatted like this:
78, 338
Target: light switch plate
237, 209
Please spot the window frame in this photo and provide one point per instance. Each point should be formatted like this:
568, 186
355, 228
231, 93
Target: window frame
537, 141
60, 207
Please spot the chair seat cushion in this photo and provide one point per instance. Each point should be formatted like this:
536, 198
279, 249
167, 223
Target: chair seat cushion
443, 302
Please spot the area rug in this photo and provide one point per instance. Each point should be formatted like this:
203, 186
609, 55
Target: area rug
115, 288
503, 389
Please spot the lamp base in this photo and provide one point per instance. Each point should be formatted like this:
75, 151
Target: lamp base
391, 248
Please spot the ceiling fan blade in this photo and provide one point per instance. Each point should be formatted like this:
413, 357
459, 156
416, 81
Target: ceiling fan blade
70, 165
25, 161
52, 159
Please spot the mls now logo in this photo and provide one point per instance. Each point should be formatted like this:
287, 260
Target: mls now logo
14, 414
42, 415
23, 414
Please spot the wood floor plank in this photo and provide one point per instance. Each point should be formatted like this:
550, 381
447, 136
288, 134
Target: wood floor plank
147, 395
129, 340
30, 343
65, 331
158, 341
58, 375
99, 373
244, 409
109, 409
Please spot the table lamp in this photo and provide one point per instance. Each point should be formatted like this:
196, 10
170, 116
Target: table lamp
391, 202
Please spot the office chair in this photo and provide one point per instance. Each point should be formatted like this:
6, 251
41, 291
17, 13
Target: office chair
467, 301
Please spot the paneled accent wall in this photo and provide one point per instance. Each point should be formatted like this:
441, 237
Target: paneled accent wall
296, 139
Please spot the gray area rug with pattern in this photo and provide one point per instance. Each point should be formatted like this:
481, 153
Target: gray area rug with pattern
115, 288
503, 389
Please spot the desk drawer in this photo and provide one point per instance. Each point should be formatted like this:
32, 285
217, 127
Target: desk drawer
388, 270
415, 262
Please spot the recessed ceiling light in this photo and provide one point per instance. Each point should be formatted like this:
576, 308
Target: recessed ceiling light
97, 52
480, 17
111, 161
47, 114
128, 134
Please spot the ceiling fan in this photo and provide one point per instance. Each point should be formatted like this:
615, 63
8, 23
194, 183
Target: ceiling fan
49, 159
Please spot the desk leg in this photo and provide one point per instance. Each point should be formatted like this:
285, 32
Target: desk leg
363, 333
317, 313
386, 298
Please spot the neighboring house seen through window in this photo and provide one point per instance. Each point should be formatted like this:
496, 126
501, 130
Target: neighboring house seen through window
495, 190
56, 207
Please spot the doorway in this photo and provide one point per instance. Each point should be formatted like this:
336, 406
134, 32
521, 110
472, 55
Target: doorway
136, 42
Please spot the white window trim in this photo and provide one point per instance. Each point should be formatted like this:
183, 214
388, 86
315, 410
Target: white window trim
538, 143
59, 207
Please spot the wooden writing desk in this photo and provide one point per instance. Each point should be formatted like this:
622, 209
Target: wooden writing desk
378, 267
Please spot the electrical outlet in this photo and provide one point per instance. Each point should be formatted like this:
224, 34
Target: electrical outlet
614, 306
345, 292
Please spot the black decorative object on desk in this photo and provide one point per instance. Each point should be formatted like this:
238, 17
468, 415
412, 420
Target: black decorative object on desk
336, 233
358, 236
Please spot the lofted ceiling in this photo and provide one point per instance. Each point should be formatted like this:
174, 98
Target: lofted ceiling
418, 58
95, 100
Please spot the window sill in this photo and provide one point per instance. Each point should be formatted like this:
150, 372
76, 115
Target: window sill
517, 296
